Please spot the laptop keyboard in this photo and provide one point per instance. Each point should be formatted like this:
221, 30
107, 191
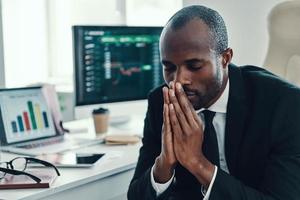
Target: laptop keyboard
41, 143
60, 143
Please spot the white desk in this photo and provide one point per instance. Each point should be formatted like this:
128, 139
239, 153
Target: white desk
109, 179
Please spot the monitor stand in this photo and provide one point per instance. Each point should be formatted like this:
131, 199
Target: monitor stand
133, 124
119, 120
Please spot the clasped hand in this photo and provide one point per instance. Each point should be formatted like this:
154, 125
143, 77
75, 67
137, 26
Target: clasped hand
182, 138
183, 130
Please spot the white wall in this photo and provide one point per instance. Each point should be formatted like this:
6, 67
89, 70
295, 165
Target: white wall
150, 12
2, 70
62, 14
247, 26
38, 40
25, 44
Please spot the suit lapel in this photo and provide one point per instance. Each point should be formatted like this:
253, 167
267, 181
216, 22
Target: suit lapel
235, 118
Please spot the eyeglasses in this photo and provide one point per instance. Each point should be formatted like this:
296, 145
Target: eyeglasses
18, 165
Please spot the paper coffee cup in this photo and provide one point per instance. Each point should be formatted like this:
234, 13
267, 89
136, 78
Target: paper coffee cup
101, 120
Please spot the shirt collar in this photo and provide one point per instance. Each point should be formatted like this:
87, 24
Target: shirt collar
220, 106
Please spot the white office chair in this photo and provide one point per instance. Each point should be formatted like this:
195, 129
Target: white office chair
283, 57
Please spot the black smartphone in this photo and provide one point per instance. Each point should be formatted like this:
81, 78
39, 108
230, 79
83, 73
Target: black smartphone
70, 159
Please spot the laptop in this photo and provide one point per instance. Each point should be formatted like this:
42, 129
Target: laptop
27, 126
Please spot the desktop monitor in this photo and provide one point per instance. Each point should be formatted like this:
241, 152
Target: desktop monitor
115, 63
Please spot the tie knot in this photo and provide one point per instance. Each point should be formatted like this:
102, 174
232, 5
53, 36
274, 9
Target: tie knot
208, 116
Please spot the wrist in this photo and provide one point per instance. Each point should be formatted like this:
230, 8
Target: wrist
162, 170
202, 169
162, 160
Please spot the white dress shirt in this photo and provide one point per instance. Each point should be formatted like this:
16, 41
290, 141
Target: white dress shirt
219, 122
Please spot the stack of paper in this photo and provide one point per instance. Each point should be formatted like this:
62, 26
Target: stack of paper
121, 139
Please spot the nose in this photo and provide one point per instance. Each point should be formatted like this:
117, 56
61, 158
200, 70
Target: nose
182, 76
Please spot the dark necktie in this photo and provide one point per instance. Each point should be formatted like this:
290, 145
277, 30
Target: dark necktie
210, 143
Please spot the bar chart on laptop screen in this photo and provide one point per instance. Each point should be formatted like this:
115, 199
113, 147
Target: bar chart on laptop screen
25, 115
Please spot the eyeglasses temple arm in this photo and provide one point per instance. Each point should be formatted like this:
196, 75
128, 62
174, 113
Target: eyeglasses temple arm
16, 172
44, 163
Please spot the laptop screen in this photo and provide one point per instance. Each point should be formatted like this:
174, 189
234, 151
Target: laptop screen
24, 115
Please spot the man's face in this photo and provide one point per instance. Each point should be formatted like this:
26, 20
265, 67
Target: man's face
188, 58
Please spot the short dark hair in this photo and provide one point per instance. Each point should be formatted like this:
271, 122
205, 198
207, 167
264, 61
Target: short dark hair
210, 17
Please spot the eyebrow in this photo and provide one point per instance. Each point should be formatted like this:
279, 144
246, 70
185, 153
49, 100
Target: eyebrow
194, 61
166, 62
189, 61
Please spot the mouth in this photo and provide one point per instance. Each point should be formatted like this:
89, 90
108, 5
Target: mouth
191, 96
190, 93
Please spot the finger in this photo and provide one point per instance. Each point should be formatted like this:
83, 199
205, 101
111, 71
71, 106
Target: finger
175, 126
178, 112
184, 103
171, 85
166, 95
195, 115
167, 126
167, 140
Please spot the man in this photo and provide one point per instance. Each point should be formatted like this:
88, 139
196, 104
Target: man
216, 131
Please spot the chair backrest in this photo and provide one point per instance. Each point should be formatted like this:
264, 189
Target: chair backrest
283, 57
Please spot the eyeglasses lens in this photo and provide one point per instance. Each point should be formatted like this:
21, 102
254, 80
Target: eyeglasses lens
19, 164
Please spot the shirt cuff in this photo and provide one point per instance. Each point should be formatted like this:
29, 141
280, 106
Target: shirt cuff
160, 187
206, 193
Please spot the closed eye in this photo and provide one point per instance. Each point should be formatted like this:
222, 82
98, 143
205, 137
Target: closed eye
194, 67
168, 66
194, 64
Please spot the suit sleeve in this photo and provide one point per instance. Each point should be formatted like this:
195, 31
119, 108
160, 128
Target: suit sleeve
140, 186
281, 180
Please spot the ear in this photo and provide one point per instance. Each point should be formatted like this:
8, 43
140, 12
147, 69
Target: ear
226, 57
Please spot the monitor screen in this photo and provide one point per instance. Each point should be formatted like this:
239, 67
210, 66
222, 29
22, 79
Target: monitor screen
115, 63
